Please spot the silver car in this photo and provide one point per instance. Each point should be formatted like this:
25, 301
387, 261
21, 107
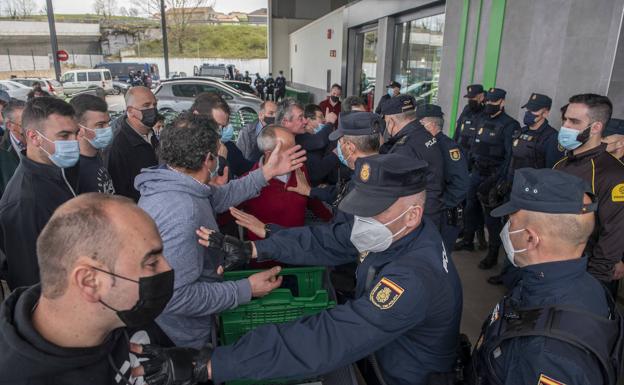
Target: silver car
179, 94
51, 86
15, 90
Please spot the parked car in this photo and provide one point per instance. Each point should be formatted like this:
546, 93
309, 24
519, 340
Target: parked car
178, 95
211, 70
80, 80
177, 74
15, 90
242, 86
51, 86
120, 88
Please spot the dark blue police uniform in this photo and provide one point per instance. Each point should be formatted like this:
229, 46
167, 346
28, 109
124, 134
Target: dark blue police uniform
492, 156
547, 329
415, 142
468, 122
456, 180
406, 310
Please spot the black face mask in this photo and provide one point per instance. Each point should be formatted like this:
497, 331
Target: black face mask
583, 137
269, 120
334, 99
474, 105
149, 117
491, 109
154, 294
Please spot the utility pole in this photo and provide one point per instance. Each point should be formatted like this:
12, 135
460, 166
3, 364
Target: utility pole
53, 41
163, 26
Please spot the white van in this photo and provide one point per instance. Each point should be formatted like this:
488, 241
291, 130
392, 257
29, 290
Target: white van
79, 80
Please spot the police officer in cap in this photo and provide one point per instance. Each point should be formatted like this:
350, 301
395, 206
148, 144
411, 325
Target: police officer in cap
408, 301
394, 89
259, 84
456, 177
464, 135
247, 78
409, 137
492, 154
559, 325
535, 145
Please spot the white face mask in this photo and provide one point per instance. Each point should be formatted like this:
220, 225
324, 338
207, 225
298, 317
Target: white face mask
506, 239
368, 234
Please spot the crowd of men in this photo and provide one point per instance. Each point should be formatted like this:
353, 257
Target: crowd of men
114, 237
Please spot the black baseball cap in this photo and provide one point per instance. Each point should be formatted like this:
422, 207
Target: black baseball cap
429, 110
537, 102
356, 123
473, 90
614, 126
495, 94
382, 179
394, 84
547, 191
398, 105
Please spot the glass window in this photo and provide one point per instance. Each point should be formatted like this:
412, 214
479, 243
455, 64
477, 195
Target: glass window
95, 76
82, 76
107, 75
68, 77
417, 52
369, 63
184, 90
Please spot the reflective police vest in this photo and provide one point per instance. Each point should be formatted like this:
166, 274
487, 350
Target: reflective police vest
525, 149
605, 342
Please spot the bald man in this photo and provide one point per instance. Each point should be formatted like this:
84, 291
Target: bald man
558, 325
103, 281
133, 147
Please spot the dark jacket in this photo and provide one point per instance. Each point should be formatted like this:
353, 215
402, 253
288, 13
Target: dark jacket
9, 159
321, 162
34, 192
537, 148
129, 154
605, 173
28, 359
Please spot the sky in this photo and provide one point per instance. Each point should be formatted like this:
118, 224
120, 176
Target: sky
86, 6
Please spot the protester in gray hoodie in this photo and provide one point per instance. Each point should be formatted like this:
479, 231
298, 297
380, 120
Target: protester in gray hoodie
181, 196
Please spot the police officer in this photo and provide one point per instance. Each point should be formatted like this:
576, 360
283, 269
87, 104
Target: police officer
456, 177
259, 84
585, 118
280, 85
393, 89
270, 87
492, 151
464, 135
247, 78
408, 137
535, 145
408, 298
559, 326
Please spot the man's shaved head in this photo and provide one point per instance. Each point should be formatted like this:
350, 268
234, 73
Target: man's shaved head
137, 94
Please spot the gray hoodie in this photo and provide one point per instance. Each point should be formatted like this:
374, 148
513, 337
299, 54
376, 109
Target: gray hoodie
180, 205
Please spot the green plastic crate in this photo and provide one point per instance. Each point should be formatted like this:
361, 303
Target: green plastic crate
310, 297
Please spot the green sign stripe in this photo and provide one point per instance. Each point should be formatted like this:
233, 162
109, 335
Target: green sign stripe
495, 36
459, 65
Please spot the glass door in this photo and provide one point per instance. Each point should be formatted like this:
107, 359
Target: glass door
363, 69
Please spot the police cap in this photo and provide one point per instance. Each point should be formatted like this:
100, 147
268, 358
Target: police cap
382, 179
495, 94
547, 191
394, 84
537, 102
614, 126
429, 111
357, 123
473, 90
398, 105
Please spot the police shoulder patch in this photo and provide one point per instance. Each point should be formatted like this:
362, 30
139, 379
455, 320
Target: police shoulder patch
385, 294
545, 380
617, 194
455, 154
402, 140
560, 148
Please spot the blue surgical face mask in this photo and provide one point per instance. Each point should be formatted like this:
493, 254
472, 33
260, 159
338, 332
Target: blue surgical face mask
227, 133
103, 136
390, 92
319, 128
66, 152
341, 157
213, 173
568, 138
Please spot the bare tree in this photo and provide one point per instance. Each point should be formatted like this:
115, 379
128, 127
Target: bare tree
19, 9
179, 14
105, 8
132, 11
98, 7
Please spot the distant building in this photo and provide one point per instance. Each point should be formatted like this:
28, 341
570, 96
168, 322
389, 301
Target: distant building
259, 16
195, 15
241, 16
227, 19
